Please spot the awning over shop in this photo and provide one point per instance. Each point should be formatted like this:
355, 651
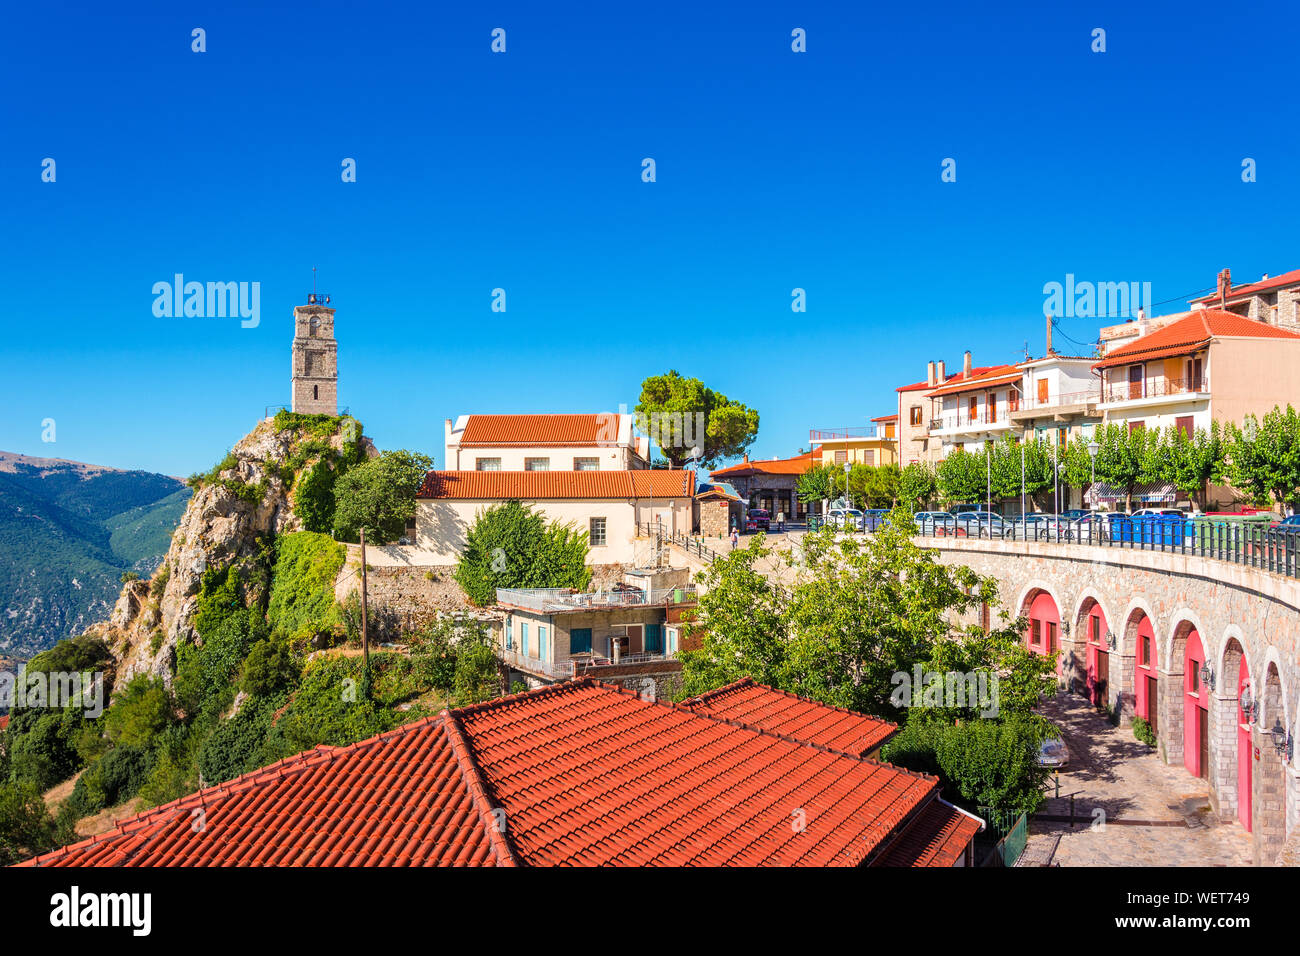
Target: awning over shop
1153, 494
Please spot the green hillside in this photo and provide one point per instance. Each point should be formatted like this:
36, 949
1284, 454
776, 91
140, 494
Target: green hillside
67, 533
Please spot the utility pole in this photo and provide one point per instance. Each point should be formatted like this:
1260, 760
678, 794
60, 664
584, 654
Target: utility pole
365, 636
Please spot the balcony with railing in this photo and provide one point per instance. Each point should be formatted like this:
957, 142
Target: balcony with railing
559, 600
1155, 390
983, 419
1079, 402
844, 433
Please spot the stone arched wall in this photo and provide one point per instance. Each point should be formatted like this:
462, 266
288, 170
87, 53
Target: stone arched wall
1236, 610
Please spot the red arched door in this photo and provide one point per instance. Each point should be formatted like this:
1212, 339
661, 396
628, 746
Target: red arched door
1044, 634
1145, 661
1196, 709
1098, 656
1245, 753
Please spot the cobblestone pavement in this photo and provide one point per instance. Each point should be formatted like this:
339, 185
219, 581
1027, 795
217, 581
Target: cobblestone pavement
1131, 808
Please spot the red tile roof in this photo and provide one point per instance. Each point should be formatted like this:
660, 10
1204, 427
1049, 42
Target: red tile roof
547, 485
399, 799
924, 386
780, 466
887, 418
554, 430
1191, 333
1253, 288
792, 716
938, 838
995, 375
586, 774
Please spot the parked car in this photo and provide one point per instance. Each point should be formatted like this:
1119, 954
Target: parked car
1040, 525
1289, 523
981, 524
1159, 512
758, 519
1053, 753
1075, 513
935, 522
850, 518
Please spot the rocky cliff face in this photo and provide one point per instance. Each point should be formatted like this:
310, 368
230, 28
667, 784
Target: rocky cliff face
227, 522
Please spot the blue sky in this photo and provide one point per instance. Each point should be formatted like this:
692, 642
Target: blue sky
522, 171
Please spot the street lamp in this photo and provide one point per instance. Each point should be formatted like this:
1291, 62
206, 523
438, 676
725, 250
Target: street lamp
1093, 448
1282, 742
846, 493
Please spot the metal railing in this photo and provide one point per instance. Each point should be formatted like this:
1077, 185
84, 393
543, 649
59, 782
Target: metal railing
565, 599
848, 431
1155, 388
575, 666
696, 546
1088, 397
1276, 550
965, 419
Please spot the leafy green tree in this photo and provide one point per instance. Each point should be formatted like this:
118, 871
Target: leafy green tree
819, 483
379, 495
268, 669
1189, 462
1014, 462
1263, 458
741, 624
26, 826
917, 486
874, 486
510, 545
983, 763
962, 477
1125, 458
729, 426
478, 674
141, 711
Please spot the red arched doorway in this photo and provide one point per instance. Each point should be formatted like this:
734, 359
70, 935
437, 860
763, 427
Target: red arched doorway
1095, 631
1146, 659
1196, 709
1043, 635
1245, 751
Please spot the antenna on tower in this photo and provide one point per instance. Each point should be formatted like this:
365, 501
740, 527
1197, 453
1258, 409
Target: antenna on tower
316, 298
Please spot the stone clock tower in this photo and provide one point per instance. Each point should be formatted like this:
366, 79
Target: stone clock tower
315, 358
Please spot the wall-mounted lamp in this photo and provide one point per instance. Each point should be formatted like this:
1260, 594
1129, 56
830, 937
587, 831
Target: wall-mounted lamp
1111, 641
1249, 705
1282, 742
1207, 675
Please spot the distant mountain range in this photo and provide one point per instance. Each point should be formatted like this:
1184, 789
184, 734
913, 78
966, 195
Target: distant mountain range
68, 531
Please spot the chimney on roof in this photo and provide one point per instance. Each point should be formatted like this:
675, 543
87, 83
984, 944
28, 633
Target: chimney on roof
965, 365
929, 374
1225, 286
747, 458
939, 376
1049, 335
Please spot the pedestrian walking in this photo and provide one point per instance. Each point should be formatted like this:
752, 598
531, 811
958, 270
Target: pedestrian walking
780, 521
735, 539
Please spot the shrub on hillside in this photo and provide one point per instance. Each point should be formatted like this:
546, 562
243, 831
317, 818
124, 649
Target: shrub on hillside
510, 546
114, 777
302, 601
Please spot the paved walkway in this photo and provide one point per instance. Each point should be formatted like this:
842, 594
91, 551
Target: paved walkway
1131, 808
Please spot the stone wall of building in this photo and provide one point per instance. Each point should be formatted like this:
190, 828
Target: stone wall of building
1234, 608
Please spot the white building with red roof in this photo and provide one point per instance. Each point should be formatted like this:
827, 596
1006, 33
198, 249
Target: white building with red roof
600, 442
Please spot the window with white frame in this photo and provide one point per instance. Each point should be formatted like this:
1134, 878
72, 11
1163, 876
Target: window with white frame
537, 464
487, 464
596, 533
586, 464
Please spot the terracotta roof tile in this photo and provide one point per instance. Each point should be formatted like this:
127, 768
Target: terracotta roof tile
1189, 334
799, 718
781, 466
586, 773
938, 838
994, 375
1252, 288
547, 485
925, 386
559, 430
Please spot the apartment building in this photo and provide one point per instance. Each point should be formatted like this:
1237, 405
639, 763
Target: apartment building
602, 442
1274, 300
1197, 367
1059, 398
974, 407
916, 413
874, 444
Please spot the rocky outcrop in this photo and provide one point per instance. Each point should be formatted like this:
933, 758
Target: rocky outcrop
228, 521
